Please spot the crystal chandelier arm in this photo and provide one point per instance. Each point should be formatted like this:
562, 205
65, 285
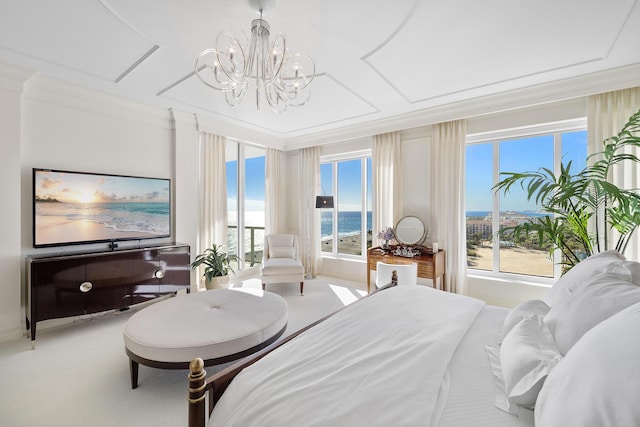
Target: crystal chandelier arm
275, 58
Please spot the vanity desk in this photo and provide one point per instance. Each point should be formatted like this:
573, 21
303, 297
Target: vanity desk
430, 265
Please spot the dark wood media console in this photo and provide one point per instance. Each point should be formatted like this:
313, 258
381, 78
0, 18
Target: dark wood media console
91, 282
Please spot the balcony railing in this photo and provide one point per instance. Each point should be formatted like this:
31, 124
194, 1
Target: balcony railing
254, 255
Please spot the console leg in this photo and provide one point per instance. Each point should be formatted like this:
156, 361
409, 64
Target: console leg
33, 336
133, 369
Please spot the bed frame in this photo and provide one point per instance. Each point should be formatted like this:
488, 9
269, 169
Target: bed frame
202, 389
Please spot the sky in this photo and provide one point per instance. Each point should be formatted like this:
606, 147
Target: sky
518, 155
349, 198
349, 173
73, 187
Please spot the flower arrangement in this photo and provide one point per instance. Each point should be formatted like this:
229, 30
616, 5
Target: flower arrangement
386, 234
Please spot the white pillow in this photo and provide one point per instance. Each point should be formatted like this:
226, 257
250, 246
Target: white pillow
282, 252
527, 355
634, 268
601, 297
598, 383
526, 308
583, 271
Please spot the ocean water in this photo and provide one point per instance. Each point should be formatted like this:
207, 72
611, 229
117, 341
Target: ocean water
348, 223
147, 217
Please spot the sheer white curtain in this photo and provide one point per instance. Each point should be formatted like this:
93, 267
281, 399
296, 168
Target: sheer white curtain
386, 177
309, 218
607, 113
213, 193
447, 187
274, 196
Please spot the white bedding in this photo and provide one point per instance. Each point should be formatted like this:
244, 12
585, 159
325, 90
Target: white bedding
472, 392
380, 362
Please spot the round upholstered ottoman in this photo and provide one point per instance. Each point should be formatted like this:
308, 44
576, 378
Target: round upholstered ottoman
218, 326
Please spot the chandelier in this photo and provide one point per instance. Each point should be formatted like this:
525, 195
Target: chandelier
279, 75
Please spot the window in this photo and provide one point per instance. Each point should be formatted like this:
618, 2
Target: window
245, 166
346, 229
486, 211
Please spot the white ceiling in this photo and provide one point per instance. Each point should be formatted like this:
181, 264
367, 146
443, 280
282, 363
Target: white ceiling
375, 60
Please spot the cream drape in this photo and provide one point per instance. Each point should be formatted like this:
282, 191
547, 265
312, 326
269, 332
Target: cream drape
447, 189
386, 177
213, 194
274, 198
607, 113
309, 218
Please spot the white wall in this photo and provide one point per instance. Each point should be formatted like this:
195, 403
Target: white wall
51, 124
186, 164
11, 81
70, 128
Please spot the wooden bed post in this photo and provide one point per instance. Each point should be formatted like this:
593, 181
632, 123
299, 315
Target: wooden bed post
197, 394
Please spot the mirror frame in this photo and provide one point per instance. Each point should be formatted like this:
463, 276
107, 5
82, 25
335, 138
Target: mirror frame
419, 239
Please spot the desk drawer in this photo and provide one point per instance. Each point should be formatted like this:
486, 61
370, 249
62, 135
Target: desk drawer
425, 270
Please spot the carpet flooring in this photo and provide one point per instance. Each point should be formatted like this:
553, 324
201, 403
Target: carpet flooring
78, 374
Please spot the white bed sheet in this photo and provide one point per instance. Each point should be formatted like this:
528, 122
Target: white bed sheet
472, 388
347, 371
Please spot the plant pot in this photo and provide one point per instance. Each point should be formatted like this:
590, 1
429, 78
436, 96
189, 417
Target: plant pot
220, 282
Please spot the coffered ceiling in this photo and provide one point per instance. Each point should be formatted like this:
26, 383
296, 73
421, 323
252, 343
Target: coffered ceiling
375, 60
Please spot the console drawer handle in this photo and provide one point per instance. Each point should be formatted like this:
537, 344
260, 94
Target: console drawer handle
86, 286
159, 274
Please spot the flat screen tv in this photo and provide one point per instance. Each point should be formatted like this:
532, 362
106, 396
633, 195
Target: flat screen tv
77, 208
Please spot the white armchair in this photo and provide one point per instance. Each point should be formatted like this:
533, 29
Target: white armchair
281, 260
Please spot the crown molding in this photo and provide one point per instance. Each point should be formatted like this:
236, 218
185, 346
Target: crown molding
230, 130
12, 78
544, 93
70, 95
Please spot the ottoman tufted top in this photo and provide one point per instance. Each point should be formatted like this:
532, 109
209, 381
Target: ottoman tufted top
208, 325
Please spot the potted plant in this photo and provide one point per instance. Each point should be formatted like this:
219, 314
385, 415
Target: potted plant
583, 207
217, 265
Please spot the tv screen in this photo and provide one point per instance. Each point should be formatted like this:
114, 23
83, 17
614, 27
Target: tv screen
77, 207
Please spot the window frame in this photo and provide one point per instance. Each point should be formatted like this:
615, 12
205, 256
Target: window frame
495, 138
334, 159
243, 265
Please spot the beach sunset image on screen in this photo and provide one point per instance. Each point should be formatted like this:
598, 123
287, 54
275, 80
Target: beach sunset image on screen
76, 207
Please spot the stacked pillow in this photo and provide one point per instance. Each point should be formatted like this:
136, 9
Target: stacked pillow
525, 357
598, 383
537, 334
582, 272
601, 297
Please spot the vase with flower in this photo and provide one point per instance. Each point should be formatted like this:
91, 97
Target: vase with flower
386, 235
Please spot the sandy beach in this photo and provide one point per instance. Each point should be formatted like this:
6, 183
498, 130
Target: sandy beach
56, 229
514, 260
346, 245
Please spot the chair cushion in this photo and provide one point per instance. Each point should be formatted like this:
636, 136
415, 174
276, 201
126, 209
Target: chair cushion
280, 240
282, 252
281, 266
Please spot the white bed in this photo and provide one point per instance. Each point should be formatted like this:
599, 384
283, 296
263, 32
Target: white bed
414, 356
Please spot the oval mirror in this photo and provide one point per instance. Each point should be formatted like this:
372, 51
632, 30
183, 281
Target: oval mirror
410, 230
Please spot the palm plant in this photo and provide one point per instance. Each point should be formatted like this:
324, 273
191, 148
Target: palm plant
574, 202
217, 262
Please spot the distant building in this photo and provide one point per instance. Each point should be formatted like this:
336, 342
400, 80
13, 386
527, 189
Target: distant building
484, 227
